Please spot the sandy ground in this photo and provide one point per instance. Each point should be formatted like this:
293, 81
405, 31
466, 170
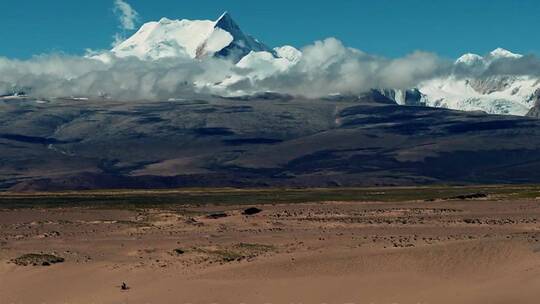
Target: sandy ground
476, 251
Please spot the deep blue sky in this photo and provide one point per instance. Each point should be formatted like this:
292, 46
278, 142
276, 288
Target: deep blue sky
384, 27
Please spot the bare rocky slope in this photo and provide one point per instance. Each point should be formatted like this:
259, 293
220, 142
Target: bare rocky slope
269, 140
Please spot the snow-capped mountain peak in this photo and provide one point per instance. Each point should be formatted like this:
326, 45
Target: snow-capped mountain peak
172, 38
190, 38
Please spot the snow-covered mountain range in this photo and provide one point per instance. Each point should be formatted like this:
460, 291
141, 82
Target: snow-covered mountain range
495, 94
168, 59
223, 38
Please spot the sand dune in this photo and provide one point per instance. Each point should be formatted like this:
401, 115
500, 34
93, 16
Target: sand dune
476, 251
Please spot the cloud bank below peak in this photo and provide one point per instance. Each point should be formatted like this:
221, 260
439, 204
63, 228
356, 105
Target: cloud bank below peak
325, 67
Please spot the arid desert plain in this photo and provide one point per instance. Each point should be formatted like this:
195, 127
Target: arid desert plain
373, 245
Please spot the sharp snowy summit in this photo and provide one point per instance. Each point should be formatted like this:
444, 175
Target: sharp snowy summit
468, 88
190, 38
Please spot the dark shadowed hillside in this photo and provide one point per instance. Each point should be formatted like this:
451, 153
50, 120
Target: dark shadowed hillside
263, 141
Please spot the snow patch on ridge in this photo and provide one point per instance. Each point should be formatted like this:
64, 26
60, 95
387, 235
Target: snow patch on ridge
513, 98
288, 52
470, 59
502, 53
